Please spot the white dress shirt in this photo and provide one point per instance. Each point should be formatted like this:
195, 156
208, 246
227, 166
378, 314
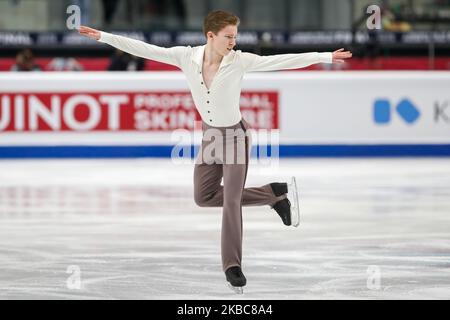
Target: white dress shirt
218, 105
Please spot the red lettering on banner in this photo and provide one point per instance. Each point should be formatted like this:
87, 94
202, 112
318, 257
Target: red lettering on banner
130, 111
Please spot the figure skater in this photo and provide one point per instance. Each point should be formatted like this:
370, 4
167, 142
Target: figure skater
214, 73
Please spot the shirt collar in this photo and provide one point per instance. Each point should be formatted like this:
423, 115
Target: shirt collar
197, 56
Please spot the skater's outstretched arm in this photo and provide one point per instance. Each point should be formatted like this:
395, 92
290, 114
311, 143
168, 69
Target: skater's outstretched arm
253, 62
173, 56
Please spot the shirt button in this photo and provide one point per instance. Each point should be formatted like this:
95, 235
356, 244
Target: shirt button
210, 120
208, 92
207, 101
209, 111
202, 82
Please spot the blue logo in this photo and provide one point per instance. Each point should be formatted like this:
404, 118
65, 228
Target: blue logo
405, 108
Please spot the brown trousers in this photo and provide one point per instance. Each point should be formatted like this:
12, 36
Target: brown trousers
224, 153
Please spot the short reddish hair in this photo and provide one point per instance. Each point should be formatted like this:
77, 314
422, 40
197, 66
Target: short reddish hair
217, 20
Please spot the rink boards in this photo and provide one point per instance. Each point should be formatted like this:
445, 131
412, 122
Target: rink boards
295, 113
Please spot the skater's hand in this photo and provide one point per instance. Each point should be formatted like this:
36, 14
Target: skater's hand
89, 32
340, 55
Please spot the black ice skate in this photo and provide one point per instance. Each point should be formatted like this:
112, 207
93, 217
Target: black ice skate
236, 279
289, 213
279, 188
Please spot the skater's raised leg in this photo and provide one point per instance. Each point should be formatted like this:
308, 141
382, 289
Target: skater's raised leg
208, 191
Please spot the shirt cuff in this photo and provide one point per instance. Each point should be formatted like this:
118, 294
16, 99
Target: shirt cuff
105, 37
326, 57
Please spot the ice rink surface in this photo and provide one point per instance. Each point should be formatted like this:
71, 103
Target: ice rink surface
129, 229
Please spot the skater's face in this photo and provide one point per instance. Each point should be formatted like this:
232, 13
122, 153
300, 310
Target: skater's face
224, 41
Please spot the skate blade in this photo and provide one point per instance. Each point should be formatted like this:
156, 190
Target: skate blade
295, 205
237, 290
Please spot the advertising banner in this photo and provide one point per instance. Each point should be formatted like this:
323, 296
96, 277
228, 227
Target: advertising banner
321, 113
